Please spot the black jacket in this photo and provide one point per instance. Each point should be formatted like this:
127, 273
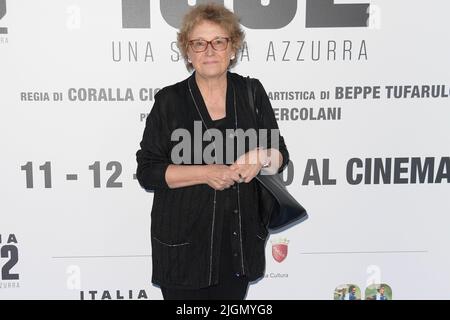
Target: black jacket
186, 225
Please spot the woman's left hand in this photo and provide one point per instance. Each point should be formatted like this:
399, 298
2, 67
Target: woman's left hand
249, 164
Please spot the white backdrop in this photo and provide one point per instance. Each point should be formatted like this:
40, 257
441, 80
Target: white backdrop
75, 224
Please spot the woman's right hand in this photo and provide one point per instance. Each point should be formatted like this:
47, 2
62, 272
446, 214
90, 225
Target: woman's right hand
220, 176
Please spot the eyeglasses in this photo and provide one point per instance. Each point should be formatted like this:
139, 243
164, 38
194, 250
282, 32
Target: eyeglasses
218, 44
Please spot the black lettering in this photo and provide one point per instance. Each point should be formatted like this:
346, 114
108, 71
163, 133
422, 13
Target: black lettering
326, 14
311, 173
12, 238
274, 15
350, 165
176, 56
423, 171
326, 173
270, 52
382, 170
286, 50
398, 170
135, 14
302, 44
444, 170
368, 171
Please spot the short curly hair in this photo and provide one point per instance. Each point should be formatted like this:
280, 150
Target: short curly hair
215, 13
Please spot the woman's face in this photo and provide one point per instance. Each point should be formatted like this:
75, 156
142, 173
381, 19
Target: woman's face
210, 63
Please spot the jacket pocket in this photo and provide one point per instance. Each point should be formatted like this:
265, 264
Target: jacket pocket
179, 244
171, 260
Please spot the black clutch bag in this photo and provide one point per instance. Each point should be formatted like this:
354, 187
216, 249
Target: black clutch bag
278, 208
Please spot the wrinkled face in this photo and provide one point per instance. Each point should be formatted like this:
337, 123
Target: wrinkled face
211, 62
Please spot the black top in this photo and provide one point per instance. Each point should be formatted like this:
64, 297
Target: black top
229, 257
218, 122
186, 224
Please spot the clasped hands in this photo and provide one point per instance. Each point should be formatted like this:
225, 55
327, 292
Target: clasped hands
244, 169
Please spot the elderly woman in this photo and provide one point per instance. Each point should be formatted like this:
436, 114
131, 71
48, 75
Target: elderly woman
208, 238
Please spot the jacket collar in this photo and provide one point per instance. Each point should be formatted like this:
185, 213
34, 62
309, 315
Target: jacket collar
229, 103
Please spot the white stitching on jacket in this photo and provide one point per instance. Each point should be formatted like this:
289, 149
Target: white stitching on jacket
171, 245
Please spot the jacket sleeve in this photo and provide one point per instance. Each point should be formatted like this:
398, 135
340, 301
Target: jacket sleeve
153, 157
267, 120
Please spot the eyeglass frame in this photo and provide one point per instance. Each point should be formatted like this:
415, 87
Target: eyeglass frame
190, 42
